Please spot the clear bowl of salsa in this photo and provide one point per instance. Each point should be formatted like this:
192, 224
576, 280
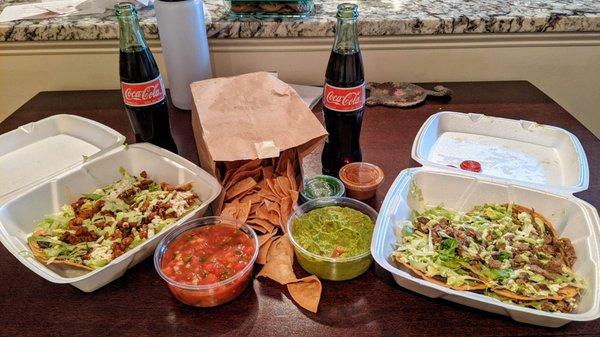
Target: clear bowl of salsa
332, 237
207, 261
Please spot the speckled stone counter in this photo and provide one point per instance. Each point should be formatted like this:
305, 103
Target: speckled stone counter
378, 18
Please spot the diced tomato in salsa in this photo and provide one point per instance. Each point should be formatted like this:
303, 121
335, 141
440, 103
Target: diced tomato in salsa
207, 255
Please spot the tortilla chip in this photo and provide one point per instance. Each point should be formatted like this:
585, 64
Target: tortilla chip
253, 198
247, 166
240, 187
280, 258
264, 249
563, 293
306, 292
244, 211
294, 194
284, 157
422, 275
267, 172
291, 176
269, 227
264, 238
38, 253
231, 209
267, 194
241, 175
284, 184
257, 228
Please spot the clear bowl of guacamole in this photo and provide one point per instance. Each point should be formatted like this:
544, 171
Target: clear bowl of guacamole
332, 237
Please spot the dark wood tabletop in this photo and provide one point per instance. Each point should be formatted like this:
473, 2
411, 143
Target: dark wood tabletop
139, 304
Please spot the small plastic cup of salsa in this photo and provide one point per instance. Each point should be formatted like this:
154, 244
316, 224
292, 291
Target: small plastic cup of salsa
321, 186
331, 267
208, 261
361, 179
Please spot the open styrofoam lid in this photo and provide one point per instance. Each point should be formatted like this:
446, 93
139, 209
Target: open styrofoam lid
513, 151
42, 149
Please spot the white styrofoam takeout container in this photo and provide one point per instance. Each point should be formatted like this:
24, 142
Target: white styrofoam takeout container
38, 150
21, 211
435, 184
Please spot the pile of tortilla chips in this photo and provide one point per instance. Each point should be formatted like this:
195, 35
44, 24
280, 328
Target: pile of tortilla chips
262, 193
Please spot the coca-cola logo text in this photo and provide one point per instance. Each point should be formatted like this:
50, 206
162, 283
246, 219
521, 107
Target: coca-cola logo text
143, 94
344, 99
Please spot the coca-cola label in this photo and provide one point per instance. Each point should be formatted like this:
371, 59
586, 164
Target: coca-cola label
143, 94
344, 99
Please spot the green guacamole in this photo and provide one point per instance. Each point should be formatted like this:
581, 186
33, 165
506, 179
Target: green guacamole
334, 231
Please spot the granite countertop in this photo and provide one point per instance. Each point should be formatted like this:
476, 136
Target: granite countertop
378, 18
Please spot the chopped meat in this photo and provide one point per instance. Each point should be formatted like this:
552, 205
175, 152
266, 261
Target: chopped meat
501, 245
75, 223
536, 262
563, 306
144, 232
517, 262
101, 224
81, 235
547, 306
117, 234
84, 213
107, 213
184, 187
549, 249
541, 286
167, 187
77, 204
537, 269
181, 188
475, 235
127, 196
555, 265
509, 237
144, 174
117, 250
521, 247
127, 241
522, 278
191, 200
568, 251
144, 184
98, 206
492, 263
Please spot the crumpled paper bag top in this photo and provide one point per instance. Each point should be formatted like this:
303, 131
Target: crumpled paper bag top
252, 116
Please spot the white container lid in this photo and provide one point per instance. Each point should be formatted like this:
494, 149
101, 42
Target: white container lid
510, 151
40, 150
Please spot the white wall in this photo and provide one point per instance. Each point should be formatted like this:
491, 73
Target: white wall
564, 66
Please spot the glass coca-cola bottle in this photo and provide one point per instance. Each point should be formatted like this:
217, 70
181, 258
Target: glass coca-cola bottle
343, 94
142, 86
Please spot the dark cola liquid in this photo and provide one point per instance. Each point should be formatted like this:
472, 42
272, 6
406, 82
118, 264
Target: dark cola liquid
343, 145
150, 123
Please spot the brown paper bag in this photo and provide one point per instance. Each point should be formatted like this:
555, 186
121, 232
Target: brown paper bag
247, 117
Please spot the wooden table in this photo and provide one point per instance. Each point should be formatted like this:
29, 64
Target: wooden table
139, 304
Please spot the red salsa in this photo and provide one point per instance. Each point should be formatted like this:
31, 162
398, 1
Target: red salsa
207, 255
470, 165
